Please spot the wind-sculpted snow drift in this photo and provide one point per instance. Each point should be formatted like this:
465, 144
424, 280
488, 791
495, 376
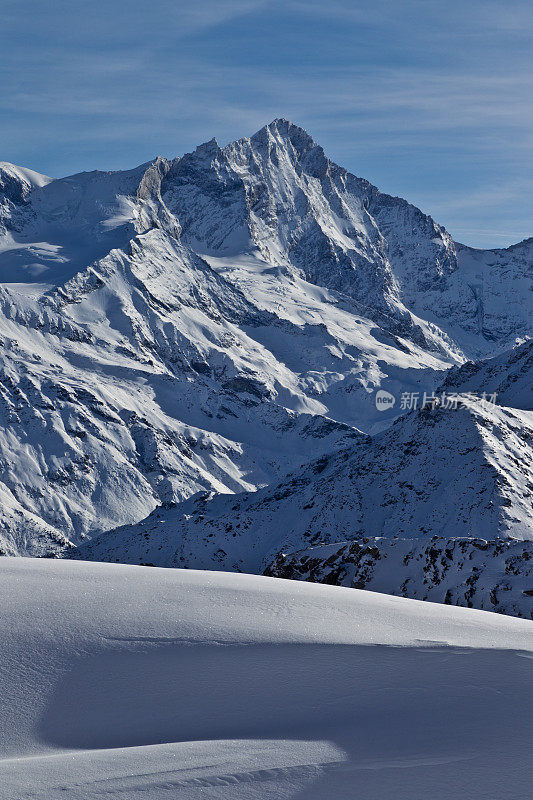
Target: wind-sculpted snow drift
126, 682
214, 322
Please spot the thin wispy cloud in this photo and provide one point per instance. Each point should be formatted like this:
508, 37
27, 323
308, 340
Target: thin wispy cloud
411, 95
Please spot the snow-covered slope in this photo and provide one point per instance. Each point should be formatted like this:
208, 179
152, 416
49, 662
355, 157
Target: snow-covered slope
436, 473
121, 681
53, 228
443, 472
501, 283
213, 322
142, 380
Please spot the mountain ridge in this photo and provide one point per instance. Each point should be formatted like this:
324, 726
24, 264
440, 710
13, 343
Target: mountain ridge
438, 506
215, 321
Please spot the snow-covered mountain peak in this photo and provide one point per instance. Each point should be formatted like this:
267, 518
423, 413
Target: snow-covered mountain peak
214, 321
278, 196
26, 177
282, 134
16, 186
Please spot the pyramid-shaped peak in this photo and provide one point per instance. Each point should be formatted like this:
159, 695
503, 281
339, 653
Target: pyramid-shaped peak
209, 148
286, 130
281, 123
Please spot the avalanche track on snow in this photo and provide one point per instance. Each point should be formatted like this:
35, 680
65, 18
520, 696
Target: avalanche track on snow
129, 682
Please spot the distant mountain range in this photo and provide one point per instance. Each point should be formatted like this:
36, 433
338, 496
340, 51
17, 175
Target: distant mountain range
221, 323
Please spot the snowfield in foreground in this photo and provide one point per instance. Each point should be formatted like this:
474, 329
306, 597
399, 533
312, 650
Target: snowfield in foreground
129, 682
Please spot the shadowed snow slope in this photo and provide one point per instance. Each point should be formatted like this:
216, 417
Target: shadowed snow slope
121, 681
509, 376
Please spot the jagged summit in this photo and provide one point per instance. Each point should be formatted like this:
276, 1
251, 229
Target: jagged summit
210, 148
282, 130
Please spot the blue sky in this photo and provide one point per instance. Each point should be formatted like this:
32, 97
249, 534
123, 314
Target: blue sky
428, 99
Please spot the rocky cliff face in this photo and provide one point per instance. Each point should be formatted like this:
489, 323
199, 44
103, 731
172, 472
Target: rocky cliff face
493, 575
